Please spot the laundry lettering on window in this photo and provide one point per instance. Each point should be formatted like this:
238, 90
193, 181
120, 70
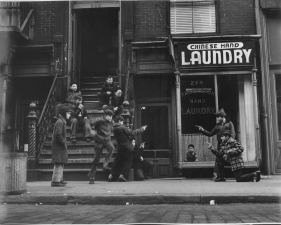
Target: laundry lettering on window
197, 102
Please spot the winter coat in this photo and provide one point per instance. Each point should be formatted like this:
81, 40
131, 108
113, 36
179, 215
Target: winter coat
116, 102
77, 113
219, 129
108, 87
70, 96
232, 149
58, 146
124, 136
103, 129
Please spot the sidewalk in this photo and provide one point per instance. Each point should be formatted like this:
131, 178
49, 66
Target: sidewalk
154, 191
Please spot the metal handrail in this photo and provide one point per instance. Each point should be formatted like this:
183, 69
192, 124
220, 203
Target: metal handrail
127, 86
46, 117
47, 100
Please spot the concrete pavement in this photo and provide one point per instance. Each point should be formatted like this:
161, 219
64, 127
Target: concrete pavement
153, 191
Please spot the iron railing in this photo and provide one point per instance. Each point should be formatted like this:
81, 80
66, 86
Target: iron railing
46, 117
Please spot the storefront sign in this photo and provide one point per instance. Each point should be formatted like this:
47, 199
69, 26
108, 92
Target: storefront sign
197, 103
215, 54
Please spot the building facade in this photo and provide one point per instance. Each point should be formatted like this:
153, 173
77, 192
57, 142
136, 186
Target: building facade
178, 62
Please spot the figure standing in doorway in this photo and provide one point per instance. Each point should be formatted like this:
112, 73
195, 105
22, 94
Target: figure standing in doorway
223, 124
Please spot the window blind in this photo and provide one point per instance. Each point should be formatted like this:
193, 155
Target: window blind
192, 17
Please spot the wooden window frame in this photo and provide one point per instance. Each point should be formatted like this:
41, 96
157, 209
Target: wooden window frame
217, 17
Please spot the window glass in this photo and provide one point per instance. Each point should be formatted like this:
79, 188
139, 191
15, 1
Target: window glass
192, 16
197, 103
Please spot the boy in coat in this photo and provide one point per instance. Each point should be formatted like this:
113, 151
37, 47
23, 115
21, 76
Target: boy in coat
141, 166
73, 91
106, 91
59, 148
222, 125
103, 129
78, 117
116, 101
123, 159
231, 151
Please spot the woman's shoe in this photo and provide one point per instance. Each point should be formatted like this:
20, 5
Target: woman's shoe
63, 182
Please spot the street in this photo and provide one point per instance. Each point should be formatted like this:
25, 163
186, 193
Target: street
120, 214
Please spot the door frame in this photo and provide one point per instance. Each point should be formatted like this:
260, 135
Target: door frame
170, 136
276, 151
74, 35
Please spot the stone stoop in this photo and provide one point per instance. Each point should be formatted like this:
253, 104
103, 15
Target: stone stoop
80, 154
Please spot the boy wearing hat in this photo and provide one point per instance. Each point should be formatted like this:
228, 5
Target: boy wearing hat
123, 159
231, 151
223, 124
103, 129
78, 117
59, 148
106, 91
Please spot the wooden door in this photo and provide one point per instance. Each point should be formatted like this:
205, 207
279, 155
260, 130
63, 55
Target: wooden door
157, 137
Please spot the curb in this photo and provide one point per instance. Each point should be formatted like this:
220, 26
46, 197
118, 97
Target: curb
137, 199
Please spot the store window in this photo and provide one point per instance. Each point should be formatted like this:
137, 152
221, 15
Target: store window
192, 16
202, 96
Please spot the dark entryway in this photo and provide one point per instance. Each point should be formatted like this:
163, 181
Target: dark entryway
97, 34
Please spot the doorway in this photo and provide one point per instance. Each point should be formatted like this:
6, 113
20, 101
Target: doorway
157, 137
96, 49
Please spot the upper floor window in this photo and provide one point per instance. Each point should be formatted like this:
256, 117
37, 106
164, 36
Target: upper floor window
192, 16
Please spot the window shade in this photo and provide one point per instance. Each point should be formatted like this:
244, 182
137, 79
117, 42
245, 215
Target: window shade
192, 17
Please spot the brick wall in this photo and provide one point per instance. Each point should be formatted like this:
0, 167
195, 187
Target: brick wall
237, 17
44, 13
149, 19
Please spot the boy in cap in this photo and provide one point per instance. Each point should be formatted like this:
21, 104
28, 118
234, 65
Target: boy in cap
103, 128
59, 148
106, 91
223, 124
79, 117
123, 159
231, 151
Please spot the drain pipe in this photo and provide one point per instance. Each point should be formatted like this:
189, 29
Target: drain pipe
264, 116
